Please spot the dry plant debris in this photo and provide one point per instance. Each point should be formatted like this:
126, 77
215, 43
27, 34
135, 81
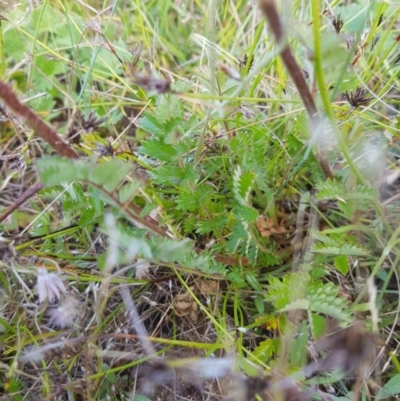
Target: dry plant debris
214, 262
185, 306
268, 227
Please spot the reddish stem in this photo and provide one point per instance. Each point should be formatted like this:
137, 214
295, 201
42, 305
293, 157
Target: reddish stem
22, 199
31, 119
269, 10
42, 129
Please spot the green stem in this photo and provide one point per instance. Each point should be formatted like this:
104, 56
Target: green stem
253, 47
319, 74
2, 56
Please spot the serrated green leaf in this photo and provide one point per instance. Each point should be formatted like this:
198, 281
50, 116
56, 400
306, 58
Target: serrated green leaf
302, 304
331, 310
189, 224
151, 124
354, 250
187, 201
110, 174
55, 170
170, 251
246, 213
204, 227
346, 249
324, 299
318, 272
168, 106
43, 75
359, 197
319, 290
43, 17
318, 324
363, 192
220, 222
264, 350
293, 145
87, 215
242, 184
159, 150
14, 43
170, 126
330, 189
236, 275
167, 175
190, 174
328, 240
291, 288
342, 264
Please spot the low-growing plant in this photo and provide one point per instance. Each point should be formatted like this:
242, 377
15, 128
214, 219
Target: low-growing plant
199, 200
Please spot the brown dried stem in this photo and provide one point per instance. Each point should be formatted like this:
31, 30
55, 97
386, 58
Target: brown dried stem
269, 10
31, 119
42, 129
22, 199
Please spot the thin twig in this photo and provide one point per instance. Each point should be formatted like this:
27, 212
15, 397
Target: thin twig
42, 129
136, 321
269, 10
22, 199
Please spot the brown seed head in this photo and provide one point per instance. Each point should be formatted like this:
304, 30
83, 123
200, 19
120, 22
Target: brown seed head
357, 98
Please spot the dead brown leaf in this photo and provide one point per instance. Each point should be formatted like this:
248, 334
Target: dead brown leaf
206, 287
185, 306
268, 227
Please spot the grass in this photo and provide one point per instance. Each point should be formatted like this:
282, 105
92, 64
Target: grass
219, 220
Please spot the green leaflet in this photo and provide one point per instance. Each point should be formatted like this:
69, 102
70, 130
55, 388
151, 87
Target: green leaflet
55, 170
109, 174
297, 291
390, 389
242, 184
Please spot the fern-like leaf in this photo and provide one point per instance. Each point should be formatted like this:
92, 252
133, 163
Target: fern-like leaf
345, 249
331, 189
242, 184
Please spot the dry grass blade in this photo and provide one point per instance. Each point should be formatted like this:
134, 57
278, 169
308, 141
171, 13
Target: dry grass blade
22, 199
136, 321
